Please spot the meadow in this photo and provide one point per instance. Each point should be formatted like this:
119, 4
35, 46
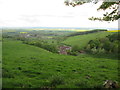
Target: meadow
82, 40
28, 66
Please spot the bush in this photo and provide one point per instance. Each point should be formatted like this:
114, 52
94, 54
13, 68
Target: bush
73, 53
87, 48
101, 50
94, 50
107, 46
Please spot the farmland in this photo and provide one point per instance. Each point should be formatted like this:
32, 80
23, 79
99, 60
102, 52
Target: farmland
30, 66
82, 40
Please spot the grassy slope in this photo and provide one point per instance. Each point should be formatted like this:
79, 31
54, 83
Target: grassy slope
82, 40
29, 66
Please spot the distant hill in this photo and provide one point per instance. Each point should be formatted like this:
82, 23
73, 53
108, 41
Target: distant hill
82, 40
66, 28
87, 32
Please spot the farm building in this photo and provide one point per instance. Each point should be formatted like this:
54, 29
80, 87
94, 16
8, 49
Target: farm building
63, 49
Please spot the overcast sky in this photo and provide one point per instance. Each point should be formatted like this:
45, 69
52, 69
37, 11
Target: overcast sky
49, 13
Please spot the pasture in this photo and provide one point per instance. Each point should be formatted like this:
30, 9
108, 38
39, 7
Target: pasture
26, 66
82, 40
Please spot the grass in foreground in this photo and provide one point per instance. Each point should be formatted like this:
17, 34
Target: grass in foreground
26, 66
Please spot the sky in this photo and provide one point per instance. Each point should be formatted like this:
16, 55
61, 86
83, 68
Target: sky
50, 13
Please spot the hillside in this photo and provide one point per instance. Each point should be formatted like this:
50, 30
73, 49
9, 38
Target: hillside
82, 40
26, 66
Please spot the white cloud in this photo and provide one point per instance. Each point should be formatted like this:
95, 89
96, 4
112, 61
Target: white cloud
49, 13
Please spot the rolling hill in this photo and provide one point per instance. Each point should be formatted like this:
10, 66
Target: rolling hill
26, 66
82, 40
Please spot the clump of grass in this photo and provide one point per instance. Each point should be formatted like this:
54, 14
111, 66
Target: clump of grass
56, 80
102, 66
58, 70
7, 74
82, 83
19, 68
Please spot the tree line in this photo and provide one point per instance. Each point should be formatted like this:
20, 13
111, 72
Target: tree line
48, 46
108, 44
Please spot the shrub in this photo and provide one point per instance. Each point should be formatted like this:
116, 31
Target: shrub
94, 50
101, 50
73, 53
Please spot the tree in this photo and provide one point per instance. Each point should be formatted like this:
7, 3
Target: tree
115, 48
107, 46
111, 16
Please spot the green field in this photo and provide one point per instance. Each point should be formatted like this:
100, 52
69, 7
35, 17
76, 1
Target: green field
26, 66
82, 40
